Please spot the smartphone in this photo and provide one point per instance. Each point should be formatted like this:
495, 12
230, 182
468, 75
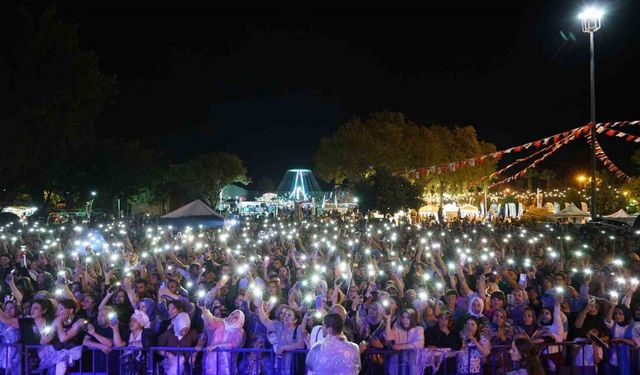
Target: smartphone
463, 259
523, 279
113, 318
387, 310
318, 302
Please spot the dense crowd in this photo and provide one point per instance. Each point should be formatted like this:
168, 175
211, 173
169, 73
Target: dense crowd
457, 290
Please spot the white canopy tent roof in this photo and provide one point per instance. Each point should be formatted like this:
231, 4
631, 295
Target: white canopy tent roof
195, 208
621, 213
571, 211
192, 214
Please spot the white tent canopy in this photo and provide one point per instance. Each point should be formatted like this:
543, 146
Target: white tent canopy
194, 213
195, 208
571, 211
621, 213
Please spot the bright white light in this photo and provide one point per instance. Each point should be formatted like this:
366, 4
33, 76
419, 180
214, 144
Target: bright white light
591, 13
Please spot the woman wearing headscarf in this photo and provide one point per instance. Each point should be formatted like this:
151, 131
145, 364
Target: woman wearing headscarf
501, 334
134, 362
222, 334
182, 336
475, 309
625, 333
405, 335
148, 306
551, 319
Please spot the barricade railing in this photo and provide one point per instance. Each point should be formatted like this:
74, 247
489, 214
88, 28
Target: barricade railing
576, 357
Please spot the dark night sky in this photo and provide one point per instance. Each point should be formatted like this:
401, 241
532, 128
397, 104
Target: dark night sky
268, 84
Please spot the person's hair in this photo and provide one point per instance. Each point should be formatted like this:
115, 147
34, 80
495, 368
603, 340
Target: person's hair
296, 316
498, 294
67, 303
140, 281
627, 314
529, 356
334, 322
451, 292
561, 274
413, 320
398, 302
477, 335
109, 309
47, 307
177, 304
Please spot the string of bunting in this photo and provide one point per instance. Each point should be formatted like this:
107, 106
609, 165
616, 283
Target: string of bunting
606, 161
618, 134
454, 166
600, 127
555, 148
520, 160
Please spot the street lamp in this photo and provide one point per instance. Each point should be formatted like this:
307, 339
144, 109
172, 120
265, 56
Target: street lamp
591, 22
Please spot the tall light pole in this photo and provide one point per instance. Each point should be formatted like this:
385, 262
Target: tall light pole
591, 22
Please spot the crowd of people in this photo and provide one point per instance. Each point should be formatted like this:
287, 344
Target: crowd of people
361, 295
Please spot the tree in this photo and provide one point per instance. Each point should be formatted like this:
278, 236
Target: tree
451, 145
530, 175
205, 176
631, 190
635, 157
387, 193
53, 93
387, 140
381, 140
549, 177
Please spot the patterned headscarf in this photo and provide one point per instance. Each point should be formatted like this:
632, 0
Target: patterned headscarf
141, 318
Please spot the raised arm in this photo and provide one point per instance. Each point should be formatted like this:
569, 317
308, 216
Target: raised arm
14, 290
264, 319
105, 300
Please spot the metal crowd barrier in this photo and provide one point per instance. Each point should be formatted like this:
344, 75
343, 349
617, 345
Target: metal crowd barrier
577, 359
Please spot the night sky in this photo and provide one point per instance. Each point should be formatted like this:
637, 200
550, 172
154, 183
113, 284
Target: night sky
268, 84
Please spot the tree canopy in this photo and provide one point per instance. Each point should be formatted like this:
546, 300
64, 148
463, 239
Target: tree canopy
387, 140
53, 92
387, 193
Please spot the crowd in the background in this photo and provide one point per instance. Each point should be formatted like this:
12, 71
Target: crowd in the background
459, 289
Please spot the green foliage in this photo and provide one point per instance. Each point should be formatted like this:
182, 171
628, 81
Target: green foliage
607, 199
381, 140
632, 188
535, 215
386, 140
205, 176
449, 145
52, 94
387, 193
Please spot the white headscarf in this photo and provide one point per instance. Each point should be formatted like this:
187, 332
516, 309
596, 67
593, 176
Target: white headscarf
470, 310
238, 324
141, 317
179, 322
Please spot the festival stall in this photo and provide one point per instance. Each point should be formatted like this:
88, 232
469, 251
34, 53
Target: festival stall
193, 214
